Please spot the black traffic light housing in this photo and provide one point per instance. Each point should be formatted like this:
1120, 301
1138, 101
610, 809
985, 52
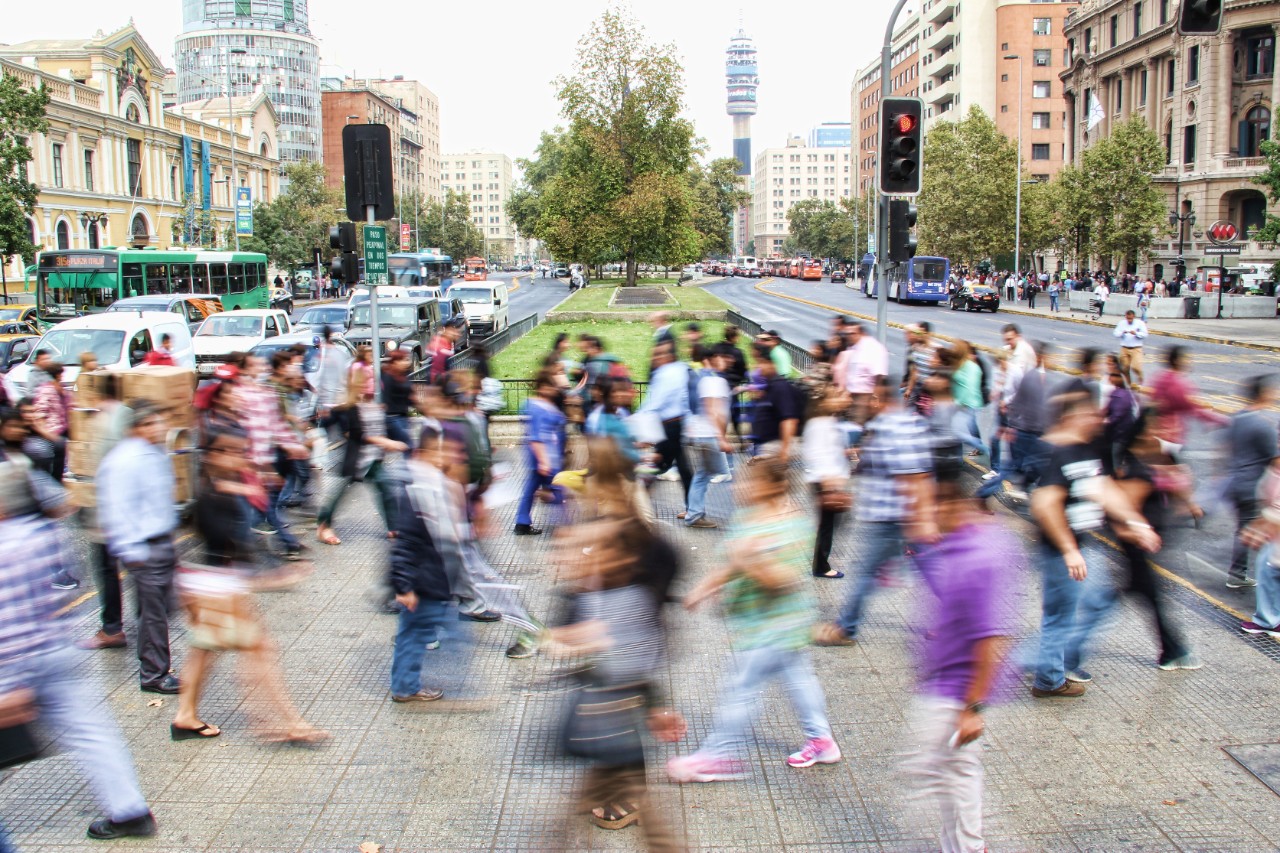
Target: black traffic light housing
368, 168
345, 266
1200, 17
901, 148
902, 221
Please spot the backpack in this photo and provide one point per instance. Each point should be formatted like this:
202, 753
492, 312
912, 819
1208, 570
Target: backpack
695, 376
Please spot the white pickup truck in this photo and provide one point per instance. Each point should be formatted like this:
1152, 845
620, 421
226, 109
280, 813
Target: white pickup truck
235, 331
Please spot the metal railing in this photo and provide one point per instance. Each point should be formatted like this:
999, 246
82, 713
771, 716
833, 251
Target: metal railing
800, 358
516, 394
494, 344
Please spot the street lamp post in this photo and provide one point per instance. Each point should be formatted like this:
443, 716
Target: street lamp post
233, 191
1017, 213
90, 219
1176, 217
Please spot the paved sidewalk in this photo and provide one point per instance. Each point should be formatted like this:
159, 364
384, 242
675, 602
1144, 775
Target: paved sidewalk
1137, 764
1256, 334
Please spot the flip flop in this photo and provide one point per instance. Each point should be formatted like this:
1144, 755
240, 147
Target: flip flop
615, 815
183, 733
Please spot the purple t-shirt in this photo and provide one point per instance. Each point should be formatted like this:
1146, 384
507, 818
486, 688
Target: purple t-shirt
970, 573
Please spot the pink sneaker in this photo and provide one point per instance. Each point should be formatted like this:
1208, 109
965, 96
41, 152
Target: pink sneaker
703, 768
820, 750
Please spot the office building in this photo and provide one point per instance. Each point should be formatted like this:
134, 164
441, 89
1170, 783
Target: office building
787, 175
484, 178
831, 134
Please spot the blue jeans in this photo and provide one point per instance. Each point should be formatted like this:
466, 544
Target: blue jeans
1053, 302
414, 631
532, 483
741, 702
1070, 610
964, 423
1267, 610
1026, 457
708, 461
273, 519
883, 542
398, 429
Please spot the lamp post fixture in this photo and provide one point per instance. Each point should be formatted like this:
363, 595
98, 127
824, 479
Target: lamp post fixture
1181, 220
233, 190
1017, 214
90, 218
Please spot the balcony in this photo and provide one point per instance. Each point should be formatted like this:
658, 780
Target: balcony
942, 37
941, 10
943, 63
943, 91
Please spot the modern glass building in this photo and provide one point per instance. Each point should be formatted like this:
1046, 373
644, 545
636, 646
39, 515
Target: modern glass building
279, 55
831, 134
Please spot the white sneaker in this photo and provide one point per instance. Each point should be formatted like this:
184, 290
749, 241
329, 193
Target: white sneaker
671, 475
722, 478
990, 475
1016, 494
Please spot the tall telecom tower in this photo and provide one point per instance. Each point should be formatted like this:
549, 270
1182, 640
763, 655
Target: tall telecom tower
741, 73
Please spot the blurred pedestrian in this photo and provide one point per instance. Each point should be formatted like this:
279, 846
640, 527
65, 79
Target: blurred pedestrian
826, 462
1250, 446
113, 421
668, 399
544, 450
1175, 399
705, 432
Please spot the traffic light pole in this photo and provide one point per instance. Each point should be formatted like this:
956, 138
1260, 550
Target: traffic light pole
376, 339
882, 211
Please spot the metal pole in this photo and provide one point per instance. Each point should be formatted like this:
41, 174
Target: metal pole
234, 193
1222, 281
882, 219
376, 340
1017, 215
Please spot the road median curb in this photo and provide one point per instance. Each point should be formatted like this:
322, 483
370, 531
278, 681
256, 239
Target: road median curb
1185, 336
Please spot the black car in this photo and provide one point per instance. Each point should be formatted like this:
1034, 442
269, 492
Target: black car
450, 308
838, 275
406, 324
976, 297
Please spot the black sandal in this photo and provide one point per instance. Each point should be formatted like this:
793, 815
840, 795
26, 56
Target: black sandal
183, 733
616, 815
830, 574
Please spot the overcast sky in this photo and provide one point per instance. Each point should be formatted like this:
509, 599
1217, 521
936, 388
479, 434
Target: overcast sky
492, 63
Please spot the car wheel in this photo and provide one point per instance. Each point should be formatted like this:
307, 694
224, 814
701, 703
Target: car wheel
415, 361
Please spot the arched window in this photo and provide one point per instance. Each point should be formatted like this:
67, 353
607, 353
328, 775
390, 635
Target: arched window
138, 229
31, 231
93, 235
1255, 130
64, 235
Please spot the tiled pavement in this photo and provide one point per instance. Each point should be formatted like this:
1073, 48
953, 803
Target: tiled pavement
1136, 765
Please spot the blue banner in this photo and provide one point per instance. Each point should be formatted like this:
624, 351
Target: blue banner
188, 187
244, 211
206, 177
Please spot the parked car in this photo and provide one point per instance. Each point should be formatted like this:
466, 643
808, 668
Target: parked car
18, 314
560, 272
14, 349
282, 298
309, 340
421, 293
337, 317
385, 291
235, 331
407, 324
195, 308
838, 275
452, 307
975, 297
120, 341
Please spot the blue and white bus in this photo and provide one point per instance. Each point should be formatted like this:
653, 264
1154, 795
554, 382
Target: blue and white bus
420, 269
923, 279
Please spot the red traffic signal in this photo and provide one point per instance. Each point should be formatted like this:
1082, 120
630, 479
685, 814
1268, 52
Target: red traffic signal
906, 123
900, 145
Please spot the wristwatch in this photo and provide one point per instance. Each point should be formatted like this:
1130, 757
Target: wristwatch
976, 707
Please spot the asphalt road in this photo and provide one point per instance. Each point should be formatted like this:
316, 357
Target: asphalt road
1199, 557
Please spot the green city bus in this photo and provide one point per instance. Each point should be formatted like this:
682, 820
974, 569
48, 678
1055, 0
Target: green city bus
71, 283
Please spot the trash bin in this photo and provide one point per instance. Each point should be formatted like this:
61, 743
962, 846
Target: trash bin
1191, 307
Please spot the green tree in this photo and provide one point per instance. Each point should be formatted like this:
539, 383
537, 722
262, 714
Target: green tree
1270, 178
1124, 206
967, 194
717, 194
297, 220
525, 205
622, 188
22, 113
826, 229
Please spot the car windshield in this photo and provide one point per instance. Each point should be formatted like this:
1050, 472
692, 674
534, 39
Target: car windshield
388, 315
324, 317
472, 295
983, 290
139, 305
66, 345
231, 325
424, 292
10, 314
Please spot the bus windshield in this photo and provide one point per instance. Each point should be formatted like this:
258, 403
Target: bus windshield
924, 269
66, 345
388, 315
472, 295
69, 294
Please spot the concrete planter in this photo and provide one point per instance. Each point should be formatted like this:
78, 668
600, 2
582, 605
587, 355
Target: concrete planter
628, 316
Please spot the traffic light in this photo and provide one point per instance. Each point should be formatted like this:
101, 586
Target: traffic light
345, 266
900, 150
902, 219
1200, 17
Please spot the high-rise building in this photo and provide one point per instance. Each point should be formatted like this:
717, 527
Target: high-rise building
250, 44
741, 80
785, 176
420, 118
831, 134
355, 104
484, 177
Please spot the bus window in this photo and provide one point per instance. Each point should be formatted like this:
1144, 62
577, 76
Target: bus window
218, 277
199, 278
257, 275
237, 277
180, 277
132, 283
157, 280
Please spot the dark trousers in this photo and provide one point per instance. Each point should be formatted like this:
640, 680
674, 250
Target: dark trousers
827, 521
1144, 584
107, 575
153, 585
398, 429
671, 451
1246, 513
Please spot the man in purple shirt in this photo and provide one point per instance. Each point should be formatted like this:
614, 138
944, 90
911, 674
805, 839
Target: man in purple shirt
961, 657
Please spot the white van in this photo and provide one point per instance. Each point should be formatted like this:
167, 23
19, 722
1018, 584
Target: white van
485, 304
120, 340
235, 331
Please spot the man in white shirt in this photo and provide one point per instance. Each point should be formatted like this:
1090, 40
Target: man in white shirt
1021, 352
863, 362
1101, 293
705, 432
1132, 333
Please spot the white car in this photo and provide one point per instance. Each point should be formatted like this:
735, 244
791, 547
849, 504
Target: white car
235, 331
120, 340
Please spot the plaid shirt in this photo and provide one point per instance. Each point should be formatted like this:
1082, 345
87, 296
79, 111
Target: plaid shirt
34, 550
896, 444
262, 421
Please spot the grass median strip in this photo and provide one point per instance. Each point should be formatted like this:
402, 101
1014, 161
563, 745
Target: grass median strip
597, 297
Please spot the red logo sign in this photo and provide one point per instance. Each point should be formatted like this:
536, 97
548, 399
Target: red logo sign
1223, 232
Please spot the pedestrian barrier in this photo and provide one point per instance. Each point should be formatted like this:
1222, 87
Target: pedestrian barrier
467, 359
800, 358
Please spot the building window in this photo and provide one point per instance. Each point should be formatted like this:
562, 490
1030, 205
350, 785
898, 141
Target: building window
1004, 46
64, 235
244, 8
1255, 130
1193, 64
1040, 89
1164, 11
1142, 88
1260, 56
1040, 151
1040, 121
1171, 78
1004, 108
57, 164
134, 149
1119, 93
1040, 178
1041, 26
94, 239
173, 183
88, 170
1189, 144
1115, 30
1168, 143
1137, 19
1042, 57
1088, 40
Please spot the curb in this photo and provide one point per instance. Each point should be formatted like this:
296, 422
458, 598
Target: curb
1185, 336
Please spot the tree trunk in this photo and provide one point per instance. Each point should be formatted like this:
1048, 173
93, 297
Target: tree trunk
631, 272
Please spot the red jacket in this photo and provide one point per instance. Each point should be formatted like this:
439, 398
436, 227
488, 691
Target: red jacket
161, 358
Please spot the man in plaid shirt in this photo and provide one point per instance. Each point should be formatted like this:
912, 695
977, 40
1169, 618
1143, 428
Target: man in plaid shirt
37, 664
895, 501
263, 419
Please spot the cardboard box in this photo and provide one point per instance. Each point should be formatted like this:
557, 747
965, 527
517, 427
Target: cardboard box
83, 424
80, 458
82, 493
180, 417
164, 386
182, 483
88, 391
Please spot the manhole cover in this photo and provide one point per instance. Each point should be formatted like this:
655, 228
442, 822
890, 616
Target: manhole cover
1260, 759
640, 296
